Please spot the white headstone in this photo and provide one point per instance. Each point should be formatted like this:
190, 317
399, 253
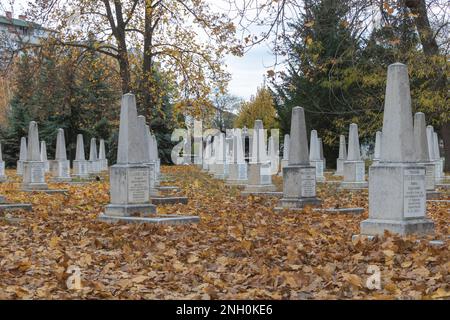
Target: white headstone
397, 184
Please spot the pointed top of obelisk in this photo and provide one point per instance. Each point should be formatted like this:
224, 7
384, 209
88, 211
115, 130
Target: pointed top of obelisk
238, 150
258, 143
23, 149
420, 138
286, 147
342, 148
93, 150
321, 148
60, 153
377, 151
314, 148
102, 151
436, 151
130, 143
33, 152
43, 150
79, 152
397, 139
430, 141
298, 141
143, 134
354, 153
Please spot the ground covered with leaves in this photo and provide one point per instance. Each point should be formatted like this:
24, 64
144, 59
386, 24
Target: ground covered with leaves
241, 249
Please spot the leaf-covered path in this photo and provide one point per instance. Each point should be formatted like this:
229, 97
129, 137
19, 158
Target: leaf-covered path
240, 249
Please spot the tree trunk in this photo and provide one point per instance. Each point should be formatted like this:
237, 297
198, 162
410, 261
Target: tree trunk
148, 89
430, 48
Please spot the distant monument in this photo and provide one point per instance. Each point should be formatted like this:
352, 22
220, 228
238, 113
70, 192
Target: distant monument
314, 156
354, 167
299, 177
103, 162
80, 164
342, 156
33, 167
259, 174
238, 167
22, 156
377, 151
62, 165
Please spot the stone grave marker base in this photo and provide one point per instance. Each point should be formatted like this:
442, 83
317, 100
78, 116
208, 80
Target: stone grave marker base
126, 210
160, 200
340, 210
297, 203
160, 219
401, 227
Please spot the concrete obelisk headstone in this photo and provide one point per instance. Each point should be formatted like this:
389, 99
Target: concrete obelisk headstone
238, 167
321, 154
154, 157
33, 167
439, 160
61, 171
377, 151
285, 160
342, 156
273, 152
2, 166
299, 177
44, 156
421, 154
259, 175
80, 164
214, 147
102, 156
93, 160
221, 165
129, 177
22, 156
207, 154
397, 184
354, 168
314, 156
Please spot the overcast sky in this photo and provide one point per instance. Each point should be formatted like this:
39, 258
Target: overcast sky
247, 72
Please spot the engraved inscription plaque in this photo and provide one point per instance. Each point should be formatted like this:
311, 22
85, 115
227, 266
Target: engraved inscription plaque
138, 186
360, 171
414, 193
308, 179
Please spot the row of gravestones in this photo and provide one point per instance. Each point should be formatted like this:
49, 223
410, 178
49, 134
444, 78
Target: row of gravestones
397, 181
60, 167
406, 168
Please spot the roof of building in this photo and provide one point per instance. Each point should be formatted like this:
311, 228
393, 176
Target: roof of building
19, 22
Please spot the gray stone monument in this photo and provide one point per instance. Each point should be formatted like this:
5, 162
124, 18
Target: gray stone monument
22, 156
421, 154
377, 151
221, 165
354, 167
62, 167
322, 157
439, 160
314, 156
129, 177
44, 156
342, 156
207, 152
33, 167
273, 152
259, 175
238, 167
94, 167
80, 164
2, 166
154, 157
285, 160
103, 162
397, 184
299, 177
